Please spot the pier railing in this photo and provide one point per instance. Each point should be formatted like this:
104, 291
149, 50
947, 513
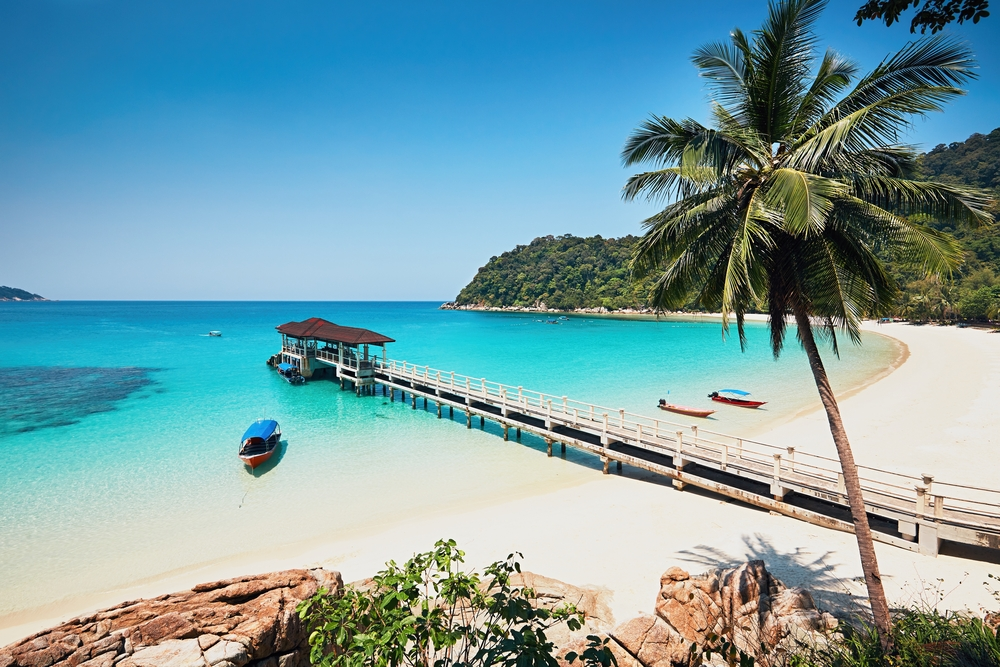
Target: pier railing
956, 510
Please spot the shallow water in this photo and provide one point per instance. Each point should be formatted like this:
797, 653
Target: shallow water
120, 424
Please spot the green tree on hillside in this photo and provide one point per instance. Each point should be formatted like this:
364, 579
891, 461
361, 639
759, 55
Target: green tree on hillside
791, 199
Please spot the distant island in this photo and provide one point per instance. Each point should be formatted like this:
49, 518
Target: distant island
570, 273
15, 294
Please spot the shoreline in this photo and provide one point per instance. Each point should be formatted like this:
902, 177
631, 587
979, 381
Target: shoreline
569, 548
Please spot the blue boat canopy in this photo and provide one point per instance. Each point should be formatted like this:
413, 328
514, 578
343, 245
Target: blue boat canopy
734, 391
285, 367
262, 428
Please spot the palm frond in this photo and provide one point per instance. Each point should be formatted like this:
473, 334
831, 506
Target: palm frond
672, 181
805, 200
783, 54
933, 62
834, 75
954, 203
726, 66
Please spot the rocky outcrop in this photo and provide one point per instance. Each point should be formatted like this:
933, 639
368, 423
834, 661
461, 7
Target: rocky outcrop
591, 601
744, 605
231, 623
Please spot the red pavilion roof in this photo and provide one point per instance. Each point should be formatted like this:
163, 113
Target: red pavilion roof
321, 329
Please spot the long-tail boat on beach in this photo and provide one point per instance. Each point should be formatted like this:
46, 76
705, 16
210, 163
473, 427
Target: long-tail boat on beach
259, 442
735, 397
684, 410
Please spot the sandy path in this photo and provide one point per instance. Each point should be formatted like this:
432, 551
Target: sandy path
934, 414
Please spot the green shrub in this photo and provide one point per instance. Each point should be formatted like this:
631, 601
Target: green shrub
428, 613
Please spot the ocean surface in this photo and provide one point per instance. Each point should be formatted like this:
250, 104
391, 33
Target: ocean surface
120, 423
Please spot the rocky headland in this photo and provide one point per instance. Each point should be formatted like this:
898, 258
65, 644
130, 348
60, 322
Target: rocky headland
15, 294
252, 622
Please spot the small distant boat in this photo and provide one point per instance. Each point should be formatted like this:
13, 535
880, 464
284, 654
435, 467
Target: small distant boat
290, 373
735, 397
259, 442
684, 410
214, 333
553, 322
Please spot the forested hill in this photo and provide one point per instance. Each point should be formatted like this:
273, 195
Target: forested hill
975, 161
569, 272
15, 294
564, 272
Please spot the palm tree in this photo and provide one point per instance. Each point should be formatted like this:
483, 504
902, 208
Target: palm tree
792, 199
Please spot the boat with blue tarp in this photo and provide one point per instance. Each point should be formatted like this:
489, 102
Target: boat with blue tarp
737, 397
290, 373
259, 442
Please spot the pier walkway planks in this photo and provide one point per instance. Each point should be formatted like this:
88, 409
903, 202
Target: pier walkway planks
915, 513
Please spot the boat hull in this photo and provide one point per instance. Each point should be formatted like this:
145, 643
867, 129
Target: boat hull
737, 402
254, 461
684, 410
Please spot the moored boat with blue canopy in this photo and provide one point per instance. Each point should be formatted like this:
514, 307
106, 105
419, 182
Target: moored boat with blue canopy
736, 397
259, 442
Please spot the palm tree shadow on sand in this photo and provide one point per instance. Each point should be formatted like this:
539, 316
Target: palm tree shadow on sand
801, 567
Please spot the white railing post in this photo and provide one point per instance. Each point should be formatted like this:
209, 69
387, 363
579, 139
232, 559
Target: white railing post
565, 405
453, 379
776, 490
638, 436
482, 383
791, 458
725, 456
621, 418
604, 431
921, 500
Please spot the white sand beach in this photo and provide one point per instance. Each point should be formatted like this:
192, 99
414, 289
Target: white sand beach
934, 414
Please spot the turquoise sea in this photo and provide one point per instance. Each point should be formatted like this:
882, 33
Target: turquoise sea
120, 422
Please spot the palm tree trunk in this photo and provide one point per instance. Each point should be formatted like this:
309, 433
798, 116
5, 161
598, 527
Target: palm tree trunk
863, 532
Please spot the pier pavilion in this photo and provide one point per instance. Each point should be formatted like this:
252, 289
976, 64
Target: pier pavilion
319, 348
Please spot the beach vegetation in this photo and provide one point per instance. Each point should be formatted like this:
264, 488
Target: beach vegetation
429, 612
792, 198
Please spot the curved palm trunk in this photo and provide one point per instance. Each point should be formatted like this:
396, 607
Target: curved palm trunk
866, 546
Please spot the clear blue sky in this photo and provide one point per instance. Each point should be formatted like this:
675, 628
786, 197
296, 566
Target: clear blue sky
322, 150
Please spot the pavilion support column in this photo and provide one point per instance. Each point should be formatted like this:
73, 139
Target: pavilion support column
413, 400
425, 402
562, 446
439, 410
506, 428
468, 419
517, 434
548, 447
392, 395
482, 421
451, 412
618, 464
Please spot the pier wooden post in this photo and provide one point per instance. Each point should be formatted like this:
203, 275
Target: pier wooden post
505, 436
562, 446
618, 464
392, 395
439, 410
468, 419
679, 461
451, 412
413, 400
548, 447
425, 402
482, 421
518, 434
604, 460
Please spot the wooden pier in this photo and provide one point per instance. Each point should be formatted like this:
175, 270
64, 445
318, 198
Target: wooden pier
915, 513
